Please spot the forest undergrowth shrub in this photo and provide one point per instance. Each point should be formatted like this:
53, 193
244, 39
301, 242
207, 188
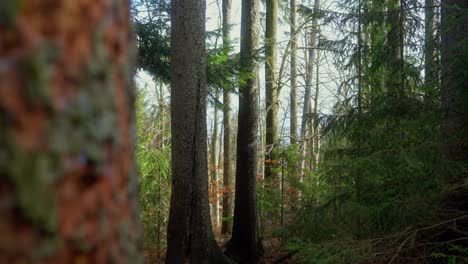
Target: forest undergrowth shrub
154, 161
376, 196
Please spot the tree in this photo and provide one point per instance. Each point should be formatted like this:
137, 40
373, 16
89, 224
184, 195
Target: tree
151, 20
395, 60
454, 61
214, 166
430, 63
244, 245
271, 89
308, 89
226, 225
190, 235
293, 68
67, 172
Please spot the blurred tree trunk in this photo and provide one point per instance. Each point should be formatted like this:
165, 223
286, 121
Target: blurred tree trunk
244, 245
68, 184
228, 179
190, 236
454, 54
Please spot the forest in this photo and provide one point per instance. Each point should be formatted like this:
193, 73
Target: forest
234, 131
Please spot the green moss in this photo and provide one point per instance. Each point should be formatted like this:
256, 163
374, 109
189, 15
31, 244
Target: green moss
86, 125
114, 256
104, 230
37, 69
127, 243
8, 12
81, 241
32, 175
125, 237
47, 248
99, 66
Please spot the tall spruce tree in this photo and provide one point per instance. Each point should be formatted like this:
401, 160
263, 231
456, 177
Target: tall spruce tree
228, 177
190, 236
244, 246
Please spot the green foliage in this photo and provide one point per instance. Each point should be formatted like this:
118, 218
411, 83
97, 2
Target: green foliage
380, 150
152, 26
222, 71
154, 165
456, 254
343, 252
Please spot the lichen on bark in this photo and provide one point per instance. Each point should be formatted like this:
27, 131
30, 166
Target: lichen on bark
67, 134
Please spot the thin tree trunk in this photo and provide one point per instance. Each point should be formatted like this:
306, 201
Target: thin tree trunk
190, 236
68, 182
271, 91
358, 176
261, 161
293, 98
309, 73
395, 55
261, 131
316, 138
244, 245
228, 179
214, 168
430, 65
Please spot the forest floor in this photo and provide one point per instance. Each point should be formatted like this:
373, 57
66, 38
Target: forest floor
274, 254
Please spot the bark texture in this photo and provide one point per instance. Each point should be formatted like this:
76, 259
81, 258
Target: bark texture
68, 187
190, 236
244, 245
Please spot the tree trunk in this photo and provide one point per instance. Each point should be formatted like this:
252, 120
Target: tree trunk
430, 62
454, 52
68, 184
359, 66
395, 56
293, 98
228, 183
271, 91
244, 245
190, 236
308, 89
315, 128
214, 168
